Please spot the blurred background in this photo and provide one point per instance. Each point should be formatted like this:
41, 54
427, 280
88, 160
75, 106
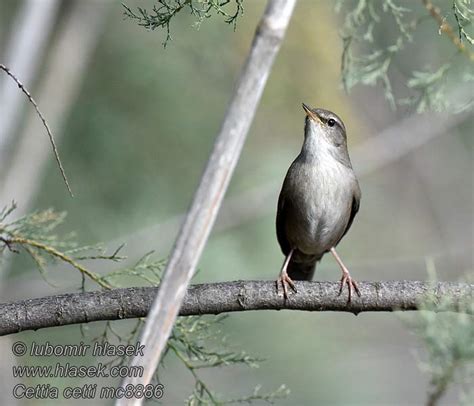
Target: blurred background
135, 122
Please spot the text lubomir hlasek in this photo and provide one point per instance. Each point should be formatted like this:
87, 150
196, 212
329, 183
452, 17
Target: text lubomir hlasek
104, 349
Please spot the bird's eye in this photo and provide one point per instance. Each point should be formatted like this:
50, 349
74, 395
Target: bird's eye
331, 122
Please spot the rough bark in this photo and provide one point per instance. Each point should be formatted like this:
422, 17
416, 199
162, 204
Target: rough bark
216, 298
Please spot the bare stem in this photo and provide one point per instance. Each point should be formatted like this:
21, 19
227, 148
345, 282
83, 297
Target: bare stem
50, 135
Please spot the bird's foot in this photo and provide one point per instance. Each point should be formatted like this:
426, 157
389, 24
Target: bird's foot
351, 284
284, 280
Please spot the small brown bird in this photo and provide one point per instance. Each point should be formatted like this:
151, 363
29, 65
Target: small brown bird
318, 201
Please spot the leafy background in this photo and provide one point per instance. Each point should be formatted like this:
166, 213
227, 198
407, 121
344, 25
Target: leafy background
136, 141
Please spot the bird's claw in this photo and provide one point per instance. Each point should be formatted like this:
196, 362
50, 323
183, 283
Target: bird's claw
284, 280
351, 285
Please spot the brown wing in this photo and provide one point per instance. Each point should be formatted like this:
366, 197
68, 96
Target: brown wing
282, 209
354, 210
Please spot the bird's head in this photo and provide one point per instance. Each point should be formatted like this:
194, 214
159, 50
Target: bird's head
325, 125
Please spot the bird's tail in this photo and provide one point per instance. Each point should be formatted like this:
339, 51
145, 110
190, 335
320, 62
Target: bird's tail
301, 269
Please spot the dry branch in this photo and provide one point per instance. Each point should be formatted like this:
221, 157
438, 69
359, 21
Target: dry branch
213, 185
43, 120
215, 298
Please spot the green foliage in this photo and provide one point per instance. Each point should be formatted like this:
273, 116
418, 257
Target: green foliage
464, 14
165, 10
196, 340
368, 60
432, 88
372, 66
35, 234
198, 343
448, 339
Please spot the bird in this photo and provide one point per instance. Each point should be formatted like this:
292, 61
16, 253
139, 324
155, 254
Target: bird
319, 199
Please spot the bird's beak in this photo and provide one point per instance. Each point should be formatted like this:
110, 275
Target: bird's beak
311, 114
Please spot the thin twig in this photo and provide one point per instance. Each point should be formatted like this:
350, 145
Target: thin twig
50, 135
446, 28
439, 388
7, 243
237, 296
26, 242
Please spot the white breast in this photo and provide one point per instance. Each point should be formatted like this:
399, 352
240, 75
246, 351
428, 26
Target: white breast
322, 202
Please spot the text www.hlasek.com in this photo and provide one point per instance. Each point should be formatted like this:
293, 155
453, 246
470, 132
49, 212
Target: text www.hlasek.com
72, 371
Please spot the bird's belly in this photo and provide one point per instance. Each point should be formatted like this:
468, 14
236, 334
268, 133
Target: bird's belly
319, 216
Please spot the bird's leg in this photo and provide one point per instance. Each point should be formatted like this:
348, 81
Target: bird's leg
284, 279
346, 277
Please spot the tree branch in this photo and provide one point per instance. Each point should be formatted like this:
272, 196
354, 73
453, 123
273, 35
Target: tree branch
223, 297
